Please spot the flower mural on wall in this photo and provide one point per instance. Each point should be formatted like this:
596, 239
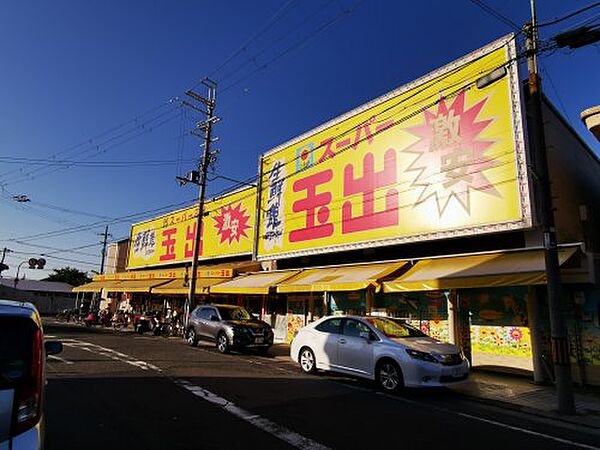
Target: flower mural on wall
516, 334
498, 340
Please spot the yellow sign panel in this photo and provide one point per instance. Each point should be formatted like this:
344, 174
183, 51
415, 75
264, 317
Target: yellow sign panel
228, 230
168, 274
441, 157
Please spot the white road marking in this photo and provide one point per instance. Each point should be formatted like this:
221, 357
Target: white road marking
280, 432
534, 433
493, 422
286, 435
58, 358
273, 428
109, 353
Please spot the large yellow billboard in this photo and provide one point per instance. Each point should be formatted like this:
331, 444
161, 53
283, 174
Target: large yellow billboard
440, 157
228, 230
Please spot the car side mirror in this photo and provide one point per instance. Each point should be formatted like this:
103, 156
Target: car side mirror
214, 318
53, 347
365, 335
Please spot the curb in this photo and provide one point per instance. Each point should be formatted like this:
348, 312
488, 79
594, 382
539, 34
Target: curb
573, 420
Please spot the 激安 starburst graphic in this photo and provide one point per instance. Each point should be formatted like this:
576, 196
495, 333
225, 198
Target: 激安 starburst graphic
450, 158
232, 223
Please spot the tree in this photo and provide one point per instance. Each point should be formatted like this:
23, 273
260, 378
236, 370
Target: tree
71, 275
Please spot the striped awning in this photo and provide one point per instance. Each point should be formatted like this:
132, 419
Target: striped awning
253, 283
344, 278
522, 268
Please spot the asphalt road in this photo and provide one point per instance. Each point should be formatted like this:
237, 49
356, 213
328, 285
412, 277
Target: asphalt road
122, 391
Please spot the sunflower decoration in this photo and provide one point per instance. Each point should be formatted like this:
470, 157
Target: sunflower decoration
516, 334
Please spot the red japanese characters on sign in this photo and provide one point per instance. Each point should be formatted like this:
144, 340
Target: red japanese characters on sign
439, 157
314, 206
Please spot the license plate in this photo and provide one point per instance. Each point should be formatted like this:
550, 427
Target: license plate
259, 340
457, 372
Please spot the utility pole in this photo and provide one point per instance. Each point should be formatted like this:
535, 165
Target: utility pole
105, 236
2, 265
199, 177
558, 327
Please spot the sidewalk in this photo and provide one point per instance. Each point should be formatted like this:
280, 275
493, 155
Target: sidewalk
518, 392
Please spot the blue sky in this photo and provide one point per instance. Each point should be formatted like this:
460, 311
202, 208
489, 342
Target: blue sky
93, 80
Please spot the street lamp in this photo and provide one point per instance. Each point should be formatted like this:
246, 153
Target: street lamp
34, 263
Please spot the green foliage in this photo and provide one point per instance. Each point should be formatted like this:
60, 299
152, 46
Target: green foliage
71, 275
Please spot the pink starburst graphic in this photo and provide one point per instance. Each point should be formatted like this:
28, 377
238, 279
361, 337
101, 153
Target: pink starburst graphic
232, 223
450, 159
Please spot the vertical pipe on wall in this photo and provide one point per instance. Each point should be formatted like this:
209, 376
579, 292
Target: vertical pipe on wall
258, 214
452, 317
370, 299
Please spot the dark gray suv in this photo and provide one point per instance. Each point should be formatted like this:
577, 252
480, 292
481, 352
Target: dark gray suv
230, 327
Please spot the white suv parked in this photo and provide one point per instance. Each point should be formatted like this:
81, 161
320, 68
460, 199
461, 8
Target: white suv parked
390, 352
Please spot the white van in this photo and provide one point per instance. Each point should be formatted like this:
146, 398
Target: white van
22, 376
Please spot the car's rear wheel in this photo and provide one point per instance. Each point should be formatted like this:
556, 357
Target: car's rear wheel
308, 362
222, 343
191, 337
389, 376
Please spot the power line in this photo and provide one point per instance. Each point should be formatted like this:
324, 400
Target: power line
103, 133
462, 85
72, 260
568, 16
84, 163
93, 225
97, 148
278, 16
496, 14
280, 13
60, 250
297, 45
421, 108
281, 38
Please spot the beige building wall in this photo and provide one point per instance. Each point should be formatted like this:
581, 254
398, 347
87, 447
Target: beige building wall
116, 256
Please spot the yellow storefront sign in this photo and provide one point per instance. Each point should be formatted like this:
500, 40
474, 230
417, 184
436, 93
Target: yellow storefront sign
228, 230
441, 157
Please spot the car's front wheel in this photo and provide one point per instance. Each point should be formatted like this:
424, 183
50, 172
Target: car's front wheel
222, 343
389, 376
308, 362
191, 337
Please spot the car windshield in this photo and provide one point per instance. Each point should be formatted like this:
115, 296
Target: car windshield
234, 313
394, 328
16, 344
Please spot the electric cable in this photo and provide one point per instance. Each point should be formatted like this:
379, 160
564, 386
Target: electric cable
568, 16
496, 14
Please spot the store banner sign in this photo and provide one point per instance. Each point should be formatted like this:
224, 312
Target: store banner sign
228, 230
441, 157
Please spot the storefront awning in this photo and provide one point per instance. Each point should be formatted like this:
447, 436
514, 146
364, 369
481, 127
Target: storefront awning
95, 286
254, 283
137, 285
491, 270
181, 286
330, 279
